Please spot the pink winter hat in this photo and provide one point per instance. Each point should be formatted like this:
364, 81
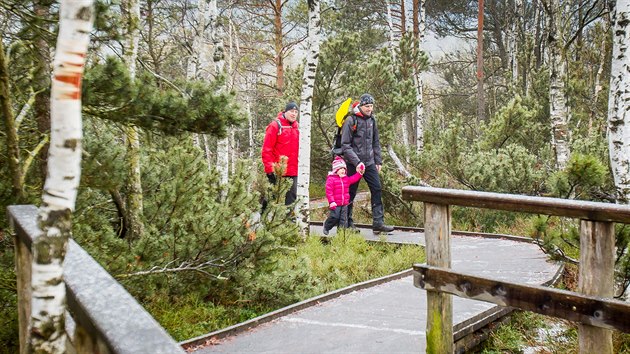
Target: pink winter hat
338, 163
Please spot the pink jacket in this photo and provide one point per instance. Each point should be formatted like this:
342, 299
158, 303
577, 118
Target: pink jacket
338, 189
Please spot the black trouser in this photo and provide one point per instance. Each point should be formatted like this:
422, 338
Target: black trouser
337, 217
291, 195
374, 183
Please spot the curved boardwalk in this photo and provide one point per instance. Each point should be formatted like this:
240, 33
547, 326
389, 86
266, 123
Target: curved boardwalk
389, 317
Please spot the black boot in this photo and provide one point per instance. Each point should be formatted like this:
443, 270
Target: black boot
381, 227
377, 219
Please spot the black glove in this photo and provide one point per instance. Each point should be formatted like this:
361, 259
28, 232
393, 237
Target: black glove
271, 177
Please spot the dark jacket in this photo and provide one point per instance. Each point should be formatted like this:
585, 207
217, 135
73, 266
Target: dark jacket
286, 143
359, 140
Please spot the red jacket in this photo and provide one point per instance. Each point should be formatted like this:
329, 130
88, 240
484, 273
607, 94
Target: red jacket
287, 144
338, 188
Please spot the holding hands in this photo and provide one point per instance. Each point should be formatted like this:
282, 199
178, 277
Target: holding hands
361, 168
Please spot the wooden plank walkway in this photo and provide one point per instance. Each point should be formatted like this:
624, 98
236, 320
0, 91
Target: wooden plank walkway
389, 317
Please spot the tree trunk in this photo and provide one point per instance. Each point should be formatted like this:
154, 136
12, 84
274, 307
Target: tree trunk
618, 115
13, 147
41, 81
47, 323
481, 101
418, 76
135, 202
513, 43
597, 87
278, 35
306, 107
538, 34
558, 109
216, 33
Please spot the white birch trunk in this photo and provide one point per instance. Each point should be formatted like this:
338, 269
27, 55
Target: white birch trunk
306, 107
512, 45
597, 89
192, 65
558, 109
393, 43
46, 327
618, 115
134, 181
419, 84
250, 128
216, 32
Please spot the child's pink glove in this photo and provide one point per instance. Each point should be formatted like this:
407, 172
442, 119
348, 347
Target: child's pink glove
361, 168
333, 206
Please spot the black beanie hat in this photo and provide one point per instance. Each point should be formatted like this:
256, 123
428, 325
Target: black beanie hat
290, 106
366, 98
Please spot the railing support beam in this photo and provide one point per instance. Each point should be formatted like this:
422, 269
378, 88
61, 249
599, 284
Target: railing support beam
596, 278
437, 223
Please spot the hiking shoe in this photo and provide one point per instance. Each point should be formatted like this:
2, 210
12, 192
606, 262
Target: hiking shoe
326, 232
382, 228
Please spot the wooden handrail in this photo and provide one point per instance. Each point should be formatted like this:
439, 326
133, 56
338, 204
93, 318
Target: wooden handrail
596, 311
520, 203
597, 241
107, 318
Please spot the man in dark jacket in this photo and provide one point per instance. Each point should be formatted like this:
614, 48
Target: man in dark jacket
282, 138
362, 151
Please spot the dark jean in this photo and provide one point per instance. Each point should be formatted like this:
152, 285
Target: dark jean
374, 183
291, 195
337, 217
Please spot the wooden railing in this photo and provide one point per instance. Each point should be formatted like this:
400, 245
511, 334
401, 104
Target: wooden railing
592, 307
102, 316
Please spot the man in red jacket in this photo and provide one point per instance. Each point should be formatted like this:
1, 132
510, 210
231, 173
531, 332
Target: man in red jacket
282, 138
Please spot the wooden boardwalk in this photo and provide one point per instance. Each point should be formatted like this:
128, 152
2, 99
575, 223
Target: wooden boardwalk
388, 317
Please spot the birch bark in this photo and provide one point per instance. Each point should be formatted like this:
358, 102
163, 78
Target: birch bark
618, 98
418, 79
135, 203
199, 63
558, 109
47, 323
216, 33
306, 107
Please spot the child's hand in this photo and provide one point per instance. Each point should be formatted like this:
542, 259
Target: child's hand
333, 206
361, 168
361, 171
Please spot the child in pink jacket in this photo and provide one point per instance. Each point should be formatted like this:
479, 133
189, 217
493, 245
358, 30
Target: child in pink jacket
338, 194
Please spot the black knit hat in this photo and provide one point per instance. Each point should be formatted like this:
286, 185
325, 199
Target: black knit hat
366, 98
290, 106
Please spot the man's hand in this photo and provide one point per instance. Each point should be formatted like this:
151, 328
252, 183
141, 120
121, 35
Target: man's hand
378, 168
333, 206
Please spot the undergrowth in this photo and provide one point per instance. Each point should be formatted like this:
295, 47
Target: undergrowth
314, 268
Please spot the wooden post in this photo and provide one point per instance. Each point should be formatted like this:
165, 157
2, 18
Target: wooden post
437, 232
23, 261
597, 258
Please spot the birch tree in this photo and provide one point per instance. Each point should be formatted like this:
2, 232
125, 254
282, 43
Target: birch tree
558, 108
306, 107
216, 33
47, 323
618, 98
481, 101
135, 204
420, 15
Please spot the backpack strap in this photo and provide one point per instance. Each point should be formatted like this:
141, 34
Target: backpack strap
279, 126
